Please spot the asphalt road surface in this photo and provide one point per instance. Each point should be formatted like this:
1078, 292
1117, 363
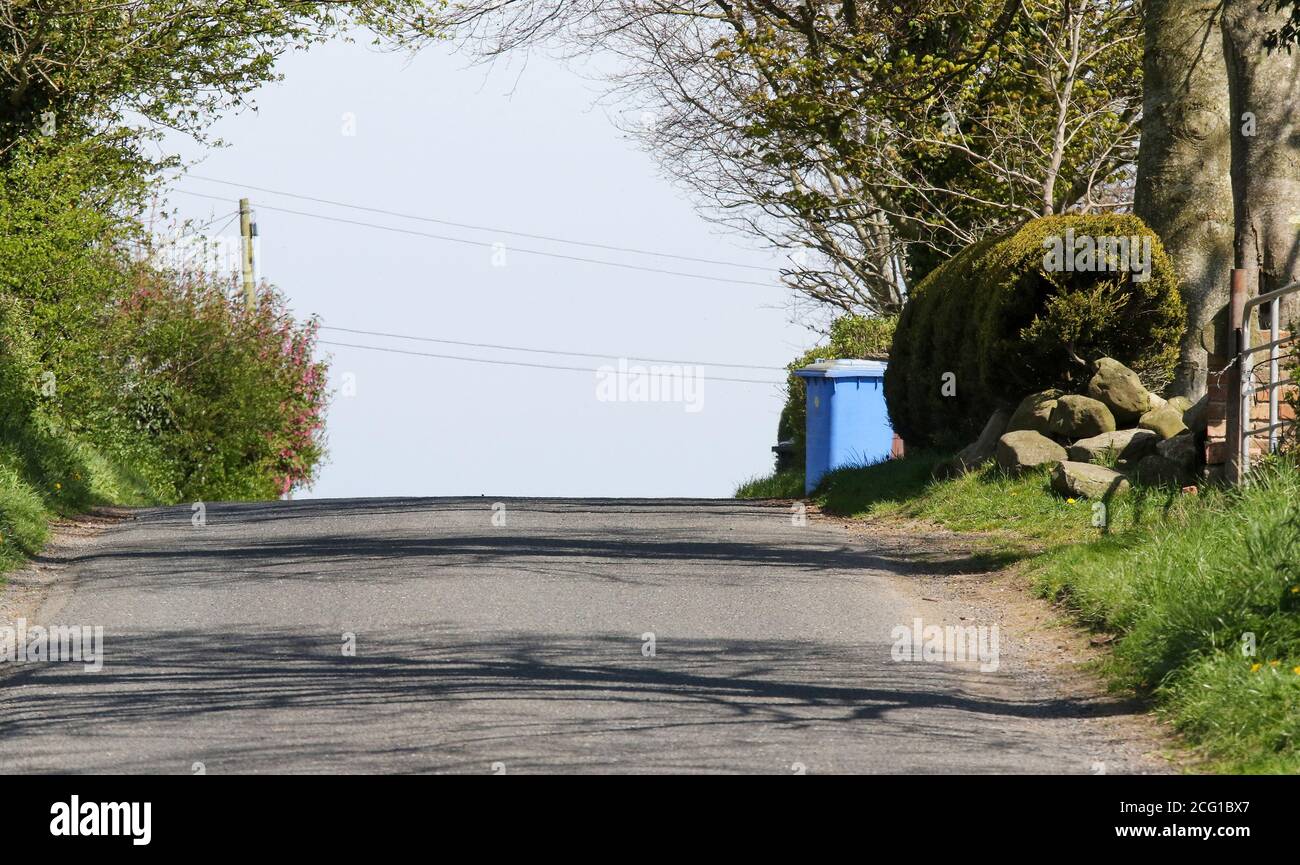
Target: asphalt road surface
519, 647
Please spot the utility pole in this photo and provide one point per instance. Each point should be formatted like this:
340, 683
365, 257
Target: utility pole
247, 231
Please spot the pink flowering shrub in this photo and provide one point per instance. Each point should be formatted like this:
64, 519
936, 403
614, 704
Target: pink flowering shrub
232, 399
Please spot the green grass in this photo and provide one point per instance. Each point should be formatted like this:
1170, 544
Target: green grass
779, 485
1185, 593
1183, 582
1020, 509
47, 473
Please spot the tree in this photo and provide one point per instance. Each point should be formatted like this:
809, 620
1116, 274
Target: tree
1264, 92
71, 68
1183, 184
874, 137
1219, 168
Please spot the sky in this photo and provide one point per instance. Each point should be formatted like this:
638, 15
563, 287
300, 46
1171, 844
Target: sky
521, 148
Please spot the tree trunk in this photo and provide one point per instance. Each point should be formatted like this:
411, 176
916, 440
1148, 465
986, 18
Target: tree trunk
1265, 99
1184, 190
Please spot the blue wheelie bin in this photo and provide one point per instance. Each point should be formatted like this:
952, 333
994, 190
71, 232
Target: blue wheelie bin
847, 421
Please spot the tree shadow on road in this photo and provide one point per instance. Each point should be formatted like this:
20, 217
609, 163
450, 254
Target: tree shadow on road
254, 700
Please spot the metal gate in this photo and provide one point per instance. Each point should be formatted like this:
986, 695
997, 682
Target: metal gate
1268, 375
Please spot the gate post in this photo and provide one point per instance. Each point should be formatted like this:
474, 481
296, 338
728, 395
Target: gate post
1239, 290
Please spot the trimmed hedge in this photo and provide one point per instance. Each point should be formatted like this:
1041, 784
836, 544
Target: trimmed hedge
1005, 326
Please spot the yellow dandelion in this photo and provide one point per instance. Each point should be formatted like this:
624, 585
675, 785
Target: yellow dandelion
1296, 671
1254, 668
1069, 501
58, 486
1295, 590
1274, 663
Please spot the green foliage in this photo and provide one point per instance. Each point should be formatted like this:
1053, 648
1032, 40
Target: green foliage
1022, 510
65, 240
19, 372
1246, 717
72, 70
860, 336
851, 336
863, 489
47, 472
1005, 326
124, 383
1184, 594
121, 382
942, 111
936, 323
231, 400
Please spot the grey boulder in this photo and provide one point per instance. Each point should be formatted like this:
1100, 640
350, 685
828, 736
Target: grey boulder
1085, 480
978, 452
1156, 470
1023, 450
1120, 390
1181, 450
1123, 446
1166, 421
1078, 417
1034, 412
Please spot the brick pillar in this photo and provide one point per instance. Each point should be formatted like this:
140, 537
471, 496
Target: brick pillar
1216, 410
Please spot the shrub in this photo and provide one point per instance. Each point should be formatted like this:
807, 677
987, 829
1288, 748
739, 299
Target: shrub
231, 397
1005, 326
64, 250
935, 323
124, 383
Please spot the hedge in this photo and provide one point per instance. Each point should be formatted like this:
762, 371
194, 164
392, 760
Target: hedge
1005, 326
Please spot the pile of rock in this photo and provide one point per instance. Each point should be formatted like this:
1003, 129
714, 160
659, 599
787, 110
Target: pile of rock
1098, 442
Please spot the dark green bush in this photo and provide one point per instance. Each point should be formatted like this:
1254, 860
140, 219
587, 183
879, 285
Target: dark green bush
1004, 326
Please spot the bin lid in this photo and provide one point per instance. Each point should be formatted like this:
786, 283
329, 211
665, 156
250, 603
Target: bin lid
844, 368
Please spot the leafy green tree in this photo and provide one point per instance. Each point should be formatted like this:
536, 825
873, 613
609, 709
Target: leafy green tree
960, 119
64, 248
869, 139
120, 68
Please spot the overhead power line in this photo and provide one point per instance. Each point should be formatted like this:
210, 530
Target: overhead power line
586, 369
548, 351
489, 245
469, 226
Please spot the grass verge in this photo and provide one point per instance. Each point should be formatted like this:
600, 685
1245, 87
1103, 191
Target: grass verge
45, 474
1202, 591
780, 485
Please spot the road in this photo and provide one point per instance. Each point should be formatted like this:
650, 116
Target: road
520, 647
